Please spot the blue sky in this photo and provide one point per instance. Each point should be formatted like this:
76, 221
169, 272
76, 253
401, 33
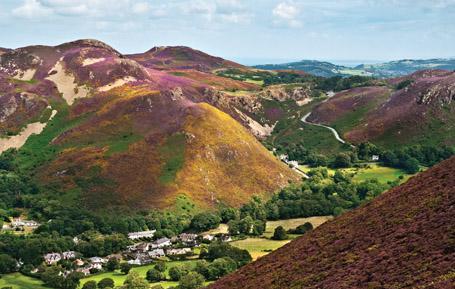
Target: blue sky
246, 31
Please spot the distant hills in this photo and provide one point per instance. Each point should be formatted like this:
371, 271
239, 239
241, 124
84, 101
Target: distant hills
381, 70
404, 238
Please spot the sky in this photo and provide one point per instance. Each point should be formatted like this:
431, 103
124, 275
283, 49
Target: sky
248, 31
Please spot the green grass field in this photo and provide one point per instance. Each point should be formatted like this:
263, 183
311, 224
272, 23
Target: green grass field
373, 171
259, 247
19, 281
119, 278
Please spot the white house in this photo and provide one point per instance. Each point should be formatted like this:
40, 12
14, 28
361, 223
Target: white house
97, 260
140, 235
178, 251
161, 243
69, 255
375, 158
52, 258
157, 253
208, 237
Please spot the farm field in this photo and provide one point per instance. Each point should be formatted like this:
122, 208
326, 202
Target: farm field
263, 245
373, 171
259, 247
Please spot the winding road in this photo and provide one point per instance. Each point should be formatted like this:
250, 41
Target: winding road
335, 133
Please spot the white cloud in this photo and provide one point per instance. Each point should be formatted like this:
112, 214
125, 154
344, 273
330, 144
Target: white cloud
31, 9
287, 13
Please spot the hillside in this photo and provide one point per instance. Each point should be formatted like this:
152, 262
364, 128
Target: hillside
380, 70
404, 238
111, 132
388, 115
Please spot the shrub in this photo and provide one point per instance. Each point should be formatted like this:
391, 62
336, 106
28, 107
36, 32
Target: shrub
192, 280
279, 234
153, 275
106, 283
89, 285
302, 229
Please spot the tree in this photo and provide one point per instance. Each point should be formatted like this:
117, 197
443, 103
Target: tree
72, 281
302, 229
410, 165
125, 268
7, 264
192, 280
342, 160
106, 283
221, 267
279, 234
160, 266
220, 250
205, 221
89, 285
227, 214
176, 272
112, 264
154, 275
51, 277
134, 281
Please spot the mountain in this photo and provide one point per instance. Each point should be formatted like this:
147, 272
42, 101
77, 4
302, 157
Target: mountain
388, 115
407, 66
404, 238
98, 129
380, 70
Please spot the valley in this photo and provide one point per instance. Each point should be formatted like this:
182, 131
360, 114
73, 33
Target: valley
213, 164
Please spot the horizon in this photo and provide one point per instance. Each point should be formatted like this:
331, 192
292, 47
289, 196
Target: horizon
242, 30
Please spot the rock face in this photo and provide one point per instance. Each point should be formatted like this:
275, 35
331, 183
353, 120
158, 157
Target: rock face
404, 238
126, 134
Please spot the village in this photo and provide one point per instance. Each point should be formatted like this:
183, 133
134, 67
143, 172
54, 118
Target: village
143, 251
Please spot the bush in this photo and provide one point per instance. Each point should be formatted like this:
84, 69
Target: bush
279, 234
301, 229
220, 250
160, 266
106, 283
112, 264
89, 285
176, 272
192, 280
125, 268
153, 275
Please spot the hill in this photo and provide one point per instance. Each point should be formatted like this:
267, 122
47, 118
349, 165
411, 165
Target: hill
380, 70
388, 115
404, 238
181, 57
110, 132
319, 68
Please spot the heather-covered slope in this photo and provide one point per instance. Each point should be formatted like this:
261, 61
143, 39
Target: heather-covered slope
127, 135
181, 57
405, 238
389, 116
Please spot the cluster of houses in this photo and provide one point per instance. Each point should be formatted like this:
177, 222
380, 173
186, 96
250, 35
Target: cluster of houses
17, 224
86, 267
142, 252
